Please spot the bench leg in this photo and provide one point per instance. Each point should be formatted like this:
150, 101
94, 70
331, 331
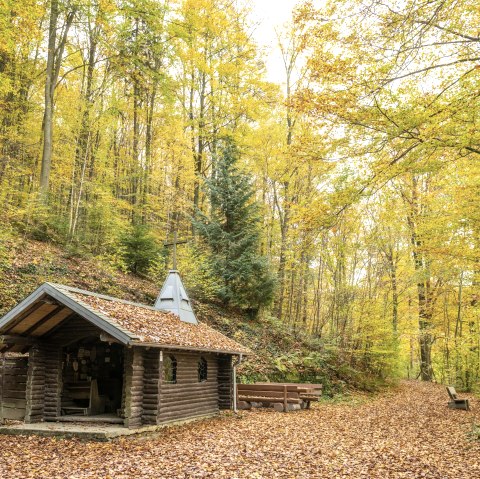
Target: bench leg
242, 405
293, 407
459, 405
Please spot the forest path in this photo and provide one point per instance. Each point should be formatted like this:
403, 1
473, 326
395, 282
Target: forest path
405, 433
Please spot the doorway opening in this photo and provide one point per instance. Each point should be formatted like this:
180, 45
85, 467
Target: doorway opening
92, 381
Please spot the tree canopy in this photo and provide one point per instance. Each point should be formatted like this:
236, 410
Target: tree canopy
352, 183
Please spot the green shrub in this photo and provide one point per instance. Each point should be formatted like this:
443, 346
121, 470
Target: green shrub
141, 249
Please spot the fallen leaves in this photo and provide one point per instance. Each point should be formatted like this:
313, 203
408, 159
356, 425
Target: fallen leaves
410, 434
159, 327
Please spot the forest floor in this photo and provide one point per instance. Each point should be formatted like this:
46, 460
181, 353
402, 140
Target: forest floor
403, 433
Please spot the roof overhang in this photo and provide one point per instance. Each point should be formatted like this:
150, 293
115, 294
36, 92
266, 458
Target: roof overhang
188, 348
43, 295
51, 304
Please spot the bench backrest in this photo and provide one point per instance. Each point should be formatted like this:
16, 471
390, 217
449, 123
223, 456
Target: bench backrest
316, 387
267, 394
451, 392
267, 387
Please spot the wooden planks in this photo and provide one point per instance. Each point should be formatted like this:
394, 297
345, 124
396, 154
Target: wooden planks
455, 402
13, 377
38, 313
53, 382
308, 392
70, 330
224, 377
35, 388
189, 397
267, 387
133, 387
151, 378
285, 393
50, 321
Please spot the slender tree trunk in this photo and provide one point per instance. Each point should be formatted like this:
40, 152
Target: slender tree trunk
458, 325
199, 150
135, 184
284, 215
306, 269
54, 61
423, 288
318, 325
80, 191
49, 89
392, 267
83, 148
394, 301
148, 152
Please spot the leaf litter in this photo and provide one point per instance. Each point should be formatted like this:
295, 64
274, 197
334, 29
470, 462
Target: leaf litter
406, 433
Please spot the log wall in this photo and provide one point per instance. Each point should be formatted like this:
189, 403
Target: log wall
225, 382
13, 378
189, 398
133, 387
151, 377
53, 382
146, 400
35, 390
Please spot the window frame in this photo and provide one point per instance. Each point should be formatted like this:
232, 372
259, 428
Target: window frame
202, 370
174, 366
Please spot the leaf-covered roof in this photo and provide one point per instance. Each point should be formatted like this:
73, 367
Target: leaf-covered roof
150, 326
127, 322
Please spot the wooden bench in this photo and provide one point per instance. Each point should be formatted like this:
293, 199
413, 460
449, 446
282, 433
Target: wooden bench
307, 392
281, 396
82, 398
455, 402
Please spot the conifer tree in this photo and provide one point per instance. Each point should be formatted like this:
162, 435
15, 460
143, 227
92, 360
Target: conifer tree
232, 232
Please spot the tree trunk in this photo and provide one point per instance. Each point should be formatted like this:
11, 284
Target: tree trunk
83, 149
199, 150
54, 60
284, 217
423, 288
49, 89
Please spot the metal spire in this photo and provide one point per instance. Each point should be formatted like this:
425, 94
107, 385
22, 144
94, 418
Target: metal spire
173, 297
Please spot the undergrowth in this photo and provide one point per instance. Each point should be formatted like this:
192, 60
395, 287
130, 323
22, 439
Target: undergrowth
280, 353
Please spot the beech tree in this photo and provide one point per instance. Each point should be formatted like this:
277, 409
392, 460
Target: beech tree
361, 161
55, 50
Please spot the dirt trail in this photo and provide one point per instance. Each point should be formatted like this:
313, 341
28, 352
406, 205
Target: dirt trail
407, 433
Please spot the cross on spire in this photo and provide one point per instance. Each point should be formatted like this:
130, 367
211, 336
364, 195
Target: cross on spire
174, 244
173, 296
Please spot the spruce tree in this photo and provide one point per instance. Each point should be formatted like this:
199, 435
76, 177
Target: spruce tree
140, 248
232, 233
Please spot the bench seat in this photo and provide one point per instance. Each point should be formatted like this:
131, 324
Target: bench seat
456, 402
278, 393
268, 399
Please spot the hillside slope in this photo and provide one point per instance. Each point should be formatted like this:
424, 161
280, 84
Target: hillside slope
279, 352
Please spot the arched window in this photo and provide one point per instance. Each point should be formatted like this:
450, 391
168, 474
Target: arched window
202, 370
170, 369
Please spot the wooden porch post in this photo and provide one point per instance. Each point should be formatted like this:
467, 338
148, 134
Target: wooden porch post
35, 392
133, 387
225, 381
53, 382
